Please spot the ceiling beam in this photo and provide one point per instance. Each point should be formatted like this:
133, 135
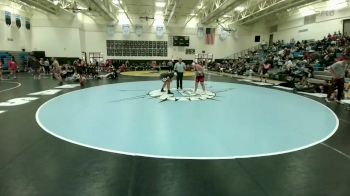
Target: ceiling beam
42, 5
219, 8
102, 9
125, 10
271, 7
19, 5
171, 14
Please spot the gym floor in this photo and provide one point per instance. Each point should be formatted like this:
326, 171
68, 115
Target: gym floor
34, 162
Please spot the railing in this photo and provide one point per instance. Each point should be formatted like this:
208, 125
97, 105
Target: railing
243, 52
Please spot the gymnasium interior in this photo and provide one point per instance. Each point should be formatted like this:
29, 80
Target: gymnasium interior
175, 97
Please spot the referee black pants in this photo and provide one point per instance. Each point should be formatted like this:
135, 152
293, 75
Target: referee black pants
179, 78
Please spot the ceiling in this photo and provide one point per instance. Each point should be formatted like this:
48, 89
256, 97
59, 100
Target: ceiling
208, 12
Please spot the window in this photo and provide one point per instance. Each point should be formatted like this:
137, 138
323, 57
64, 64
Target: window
95, 56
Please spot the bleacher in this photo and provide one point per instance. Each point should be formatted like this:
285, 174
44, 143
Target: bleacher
20, 57
309, 59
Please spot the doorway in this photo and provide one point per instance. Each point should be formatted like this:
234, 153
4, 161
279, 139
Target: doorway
271, 40
346, 27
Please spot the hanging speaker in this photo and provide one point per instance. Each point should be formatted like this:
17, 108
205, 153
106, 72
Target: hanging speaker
27, 24
257, 38
18, 21
8, 18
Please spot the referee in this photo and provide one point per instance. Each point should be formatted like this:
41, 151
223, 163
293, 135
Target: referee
179, 68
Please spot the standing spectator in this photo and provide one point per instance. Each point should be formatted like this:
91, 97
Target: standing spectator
56, 71
170, 65
13, 67
47, 66
179, 69
42, 65
35, 66
338, 70
264, 68
81, 69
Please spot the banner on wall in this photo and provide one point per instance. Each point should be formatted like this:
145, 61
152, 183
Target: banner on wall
159, 31
126, 29
210, 36
18, 21
138, 30
200, 32
8, 18
110, 29
223, 34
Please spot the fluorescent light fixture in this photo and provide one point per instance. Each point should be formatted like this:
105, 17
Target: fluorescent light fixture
55, 2
226, 16
336, 4
123, 19
240, 9
116, 2
306, 11
200, 6
158, 17
160, 4
158, 13
193, 14
158, 20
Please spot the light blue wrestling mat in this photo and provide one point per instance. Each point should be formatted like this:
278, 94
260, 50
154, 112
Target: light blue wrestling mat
229, 121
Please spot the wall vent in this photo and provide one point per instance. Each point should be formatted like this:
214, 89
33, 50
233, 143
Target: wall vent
273, 29
303, 30
309, 19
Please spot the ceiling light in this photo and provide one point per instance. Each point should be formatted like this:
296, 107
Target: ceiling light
306, 11
200, 6
55, 2
336, 4
123, 19
160, 4
240, 9
158, 13
158, 17
116, 2
193, 14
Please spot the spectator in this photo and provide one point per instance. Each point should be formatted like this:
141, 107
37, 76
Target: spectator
13, 67
47, 66
338, 71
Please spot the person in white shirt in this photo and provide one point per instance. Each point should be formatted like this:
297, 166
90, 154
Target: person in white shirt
179, 68
338, 71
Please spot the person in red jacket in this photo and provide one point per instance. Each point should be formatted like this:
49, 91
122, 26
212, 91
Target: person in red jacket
13, 67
